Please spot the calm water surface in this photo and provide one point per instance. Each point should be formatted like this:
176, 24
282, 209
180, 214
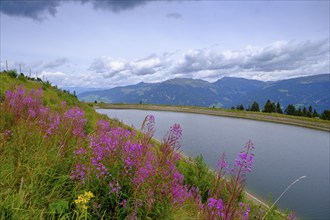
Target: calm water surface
282, 154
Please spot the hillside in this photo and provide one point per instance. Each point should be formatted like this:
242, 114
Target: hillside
52, 96
61, 160
226, 92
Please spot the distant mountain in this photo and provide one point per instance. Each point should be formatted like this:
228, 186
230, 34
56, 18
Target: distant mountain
79, 90
225, 93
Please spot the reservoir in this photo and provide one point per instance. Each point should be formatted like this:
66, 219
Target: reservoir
283, 153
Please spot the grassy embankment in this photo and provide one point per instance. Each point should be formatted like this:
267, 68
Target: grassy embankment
314, 123
60, 162
52, 97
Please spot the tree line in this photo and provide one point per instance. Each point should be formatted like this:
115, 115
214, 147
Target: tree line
272, 107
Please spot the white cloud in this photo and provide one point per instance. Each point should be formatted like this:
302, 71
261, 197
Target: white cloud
56, 63
279, 60
174, 15
54, 77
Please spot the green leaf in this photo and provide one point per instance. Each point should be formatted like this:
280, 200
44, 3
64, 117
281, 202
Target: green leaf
59, 206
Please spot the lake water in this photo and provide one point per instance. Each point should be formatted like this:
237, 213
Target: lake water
282, 154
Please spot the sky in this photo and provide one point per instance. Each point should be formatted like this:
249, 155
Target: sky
106, 43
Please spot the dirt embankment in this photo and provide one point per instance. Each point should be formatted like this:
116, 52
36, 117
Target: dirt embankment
313, 123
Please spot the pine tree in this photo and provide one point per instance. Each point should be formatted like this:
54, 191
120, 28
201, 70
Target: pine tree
269, 107
304, 112
278, 108
240, 107
310, 111
255, 107
299, 112
290, 110
326, 115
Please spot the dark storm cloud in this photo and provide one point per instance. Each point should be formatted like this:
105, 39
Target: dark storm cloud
39, 9
29, 8
116, 5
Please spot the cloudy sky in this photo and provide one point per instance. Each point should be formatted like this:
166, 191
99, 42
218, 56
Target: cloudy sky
106, 43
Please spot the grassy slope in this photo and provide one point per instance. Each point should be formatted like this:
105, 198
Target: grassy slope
36, 198
52, 97
314, 123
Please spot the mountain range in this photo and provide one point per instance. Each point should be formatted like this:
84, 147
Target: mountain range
225, 92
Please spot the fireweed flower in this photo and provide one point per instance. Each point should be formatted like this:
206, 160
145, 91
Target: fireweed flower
102, 126
80, 151
22, 104
222, 166
244, 210
78, 173
7, 134
292, 216
245, 158
115, 188
32, 113
148, 172
212, 202
74, 118
215, 208
123, 203
148, 125
173, 137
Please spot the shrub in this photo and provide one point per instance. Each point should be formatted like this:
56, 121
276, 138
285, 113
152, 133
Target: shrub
12, 73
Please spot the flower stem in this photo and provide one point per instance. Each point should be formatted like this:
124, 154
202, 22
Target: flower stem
282, 195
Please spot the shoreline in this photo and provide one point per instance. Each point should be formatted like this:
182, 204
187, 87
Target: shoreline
255, 199
316, 124
250, 195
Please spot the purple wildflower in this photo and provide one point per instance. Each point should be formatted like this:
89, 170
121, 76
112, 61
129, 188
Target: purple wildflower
245, 158
123, 203
114, 188
80, 151
292, 216
74, 118
148, 125
79, 173
211, 202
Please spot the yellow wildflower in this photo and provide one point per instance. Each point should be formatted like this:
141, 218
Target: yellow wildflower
83, 200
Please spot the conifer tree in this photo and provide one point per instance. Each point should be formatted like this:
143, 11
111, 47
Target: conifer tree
290, 110
278, 108
255, 107
326, 115
310, 111
304, 112
269, 107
